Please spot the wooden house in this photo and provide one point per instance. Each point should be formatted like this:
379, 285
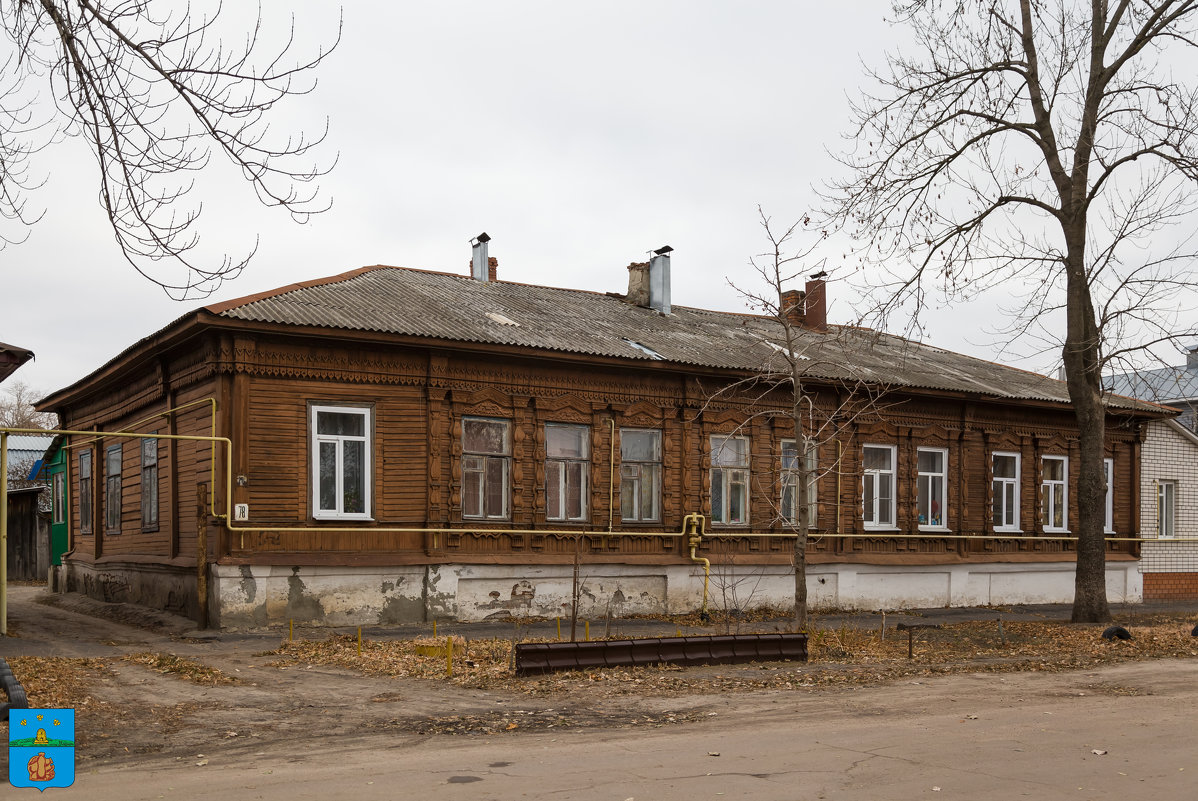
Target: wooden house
405, 445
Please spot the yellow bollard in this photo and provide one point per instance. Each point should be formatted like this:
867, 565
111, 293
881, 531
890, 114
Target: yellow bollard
559, 629
449, 656
434, 628
678, 632
588, 630
359, 640
290, 630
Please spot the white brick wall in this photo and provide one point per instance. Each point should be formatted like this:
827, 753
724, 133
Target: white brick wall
1169, 455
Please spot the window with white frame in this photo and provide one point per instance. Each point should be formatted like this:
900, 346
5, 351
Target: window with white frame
567, 463
112, 489
729, 480
931, 486
341, 459
1109, 525
486, 465
790, 482
1005, 467
1054, 493
877, 486
640, 475
1166, 508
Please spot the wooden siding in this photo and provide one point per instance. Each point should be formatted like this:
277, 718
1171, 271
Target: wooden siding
418, 397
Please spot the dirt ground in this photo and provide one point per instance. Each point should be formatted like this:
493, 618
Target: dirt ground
153, 694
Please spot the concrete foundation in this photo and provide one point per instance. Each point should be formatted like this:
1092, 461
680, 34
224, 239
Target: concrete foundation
172, 589
245, 596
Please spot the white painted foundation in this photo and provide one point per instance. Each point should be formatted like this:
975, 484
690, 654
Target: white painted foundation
342, 596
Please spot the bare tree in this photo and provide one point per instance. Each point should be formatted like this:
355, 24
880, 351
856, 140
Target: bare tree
154, 89
16, 409
1044, 146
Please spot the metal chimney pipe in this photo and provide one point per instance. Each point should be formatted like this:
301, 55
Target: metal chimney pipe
480, 261
659, 279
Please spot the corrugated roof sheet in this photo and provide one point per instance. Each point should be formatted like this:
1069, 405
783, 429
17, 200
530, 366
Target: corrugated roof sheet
460, 309
1163, 385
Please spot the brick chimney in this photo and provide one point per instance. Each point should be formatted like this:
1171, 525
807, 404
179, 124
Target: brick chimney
807, 309
816, 304
794, 307
638, 284
492, 268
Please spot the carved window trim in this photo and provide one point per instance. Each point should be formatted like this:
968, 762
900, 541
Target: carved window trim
925, 488
729, 479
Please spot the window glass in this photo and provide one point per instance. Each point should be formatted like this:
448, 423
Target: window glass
112, 488
149, 483
790, 493
566, 468
341, 462
877, 486
640, 474
1005, 467
1054, 492
485, 436
85, 491
931, 487
486, 460
729, 487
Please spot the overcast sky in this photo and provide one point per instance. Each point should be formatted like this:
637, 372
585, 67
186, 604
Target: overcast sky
579, 136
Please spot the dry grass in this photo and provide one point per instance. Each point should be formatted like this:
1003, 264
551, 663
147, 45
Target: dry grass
189, 669
845, 656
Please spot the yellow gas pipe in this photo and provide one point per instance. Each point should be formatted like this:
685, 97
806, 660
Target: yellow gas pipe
694, 525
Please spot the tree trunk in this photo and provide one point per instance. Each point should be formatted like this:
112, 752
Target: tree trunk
1082, 368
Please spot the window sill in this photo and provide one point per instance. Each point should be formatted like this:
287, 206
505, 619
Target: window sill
881, 528
935, 528
335, 519
1008, 531
1057, 531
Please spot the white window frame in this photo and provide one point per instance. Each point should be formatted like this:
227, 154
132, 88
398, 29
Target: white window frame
339, 441
790, 482
1013, 484
920, 476
1054, 493
564, 465
873, 477
730, 477
485, 459
1109, 523
635, 474
1166, 509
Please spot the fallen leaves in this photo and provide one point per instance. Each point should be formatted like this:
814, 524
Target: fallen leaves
188, 669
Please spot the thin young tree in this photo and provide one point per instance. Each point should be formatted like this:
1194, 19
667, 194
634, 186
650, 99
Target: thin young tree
805, 376
1047, 147
156, 89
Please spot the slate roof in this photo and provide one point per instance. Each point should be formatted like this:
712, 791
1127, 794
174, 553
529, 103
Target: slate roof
1164, 385
456, 308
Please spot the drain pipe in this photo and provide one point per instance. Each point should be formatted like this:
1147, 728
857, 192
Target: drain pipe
694, 525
